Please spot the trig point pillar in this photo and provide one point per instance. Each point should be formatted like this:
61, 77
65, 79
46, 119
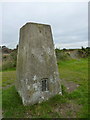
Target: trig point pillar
37, 71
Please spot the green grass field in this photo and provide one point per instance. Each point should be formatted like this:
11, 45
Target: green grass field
8, 78
69, 105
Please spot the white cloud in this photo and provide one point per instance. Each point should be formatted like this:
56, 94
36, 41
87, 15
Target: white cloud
68, 21
44, 0
71, 45
1, 24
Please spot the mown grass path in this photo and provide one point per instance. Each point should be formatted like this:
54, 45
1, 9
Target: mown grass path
69, 105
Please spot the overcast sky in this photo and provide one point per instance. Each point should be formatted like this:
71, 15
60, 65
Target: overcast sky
69, 22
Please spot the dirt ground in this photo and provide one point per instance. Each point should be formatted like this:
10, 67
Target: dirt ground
70, 86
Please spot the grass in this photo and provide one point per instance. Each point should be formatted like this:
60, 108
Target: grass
77, 71
74, 104
74, 70
8, 77
8, 69
13, 106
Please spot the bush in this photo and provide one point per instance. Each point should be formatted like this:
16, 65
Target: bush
9, 61
61, 55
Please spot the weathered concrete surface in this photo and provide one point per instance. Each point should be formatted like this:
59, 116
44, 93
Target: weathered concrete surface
37, 71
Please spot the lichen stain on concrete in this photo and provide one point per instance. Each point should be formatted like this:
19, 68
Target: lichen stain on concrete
26, 81
35, 77
28, 87
36, 86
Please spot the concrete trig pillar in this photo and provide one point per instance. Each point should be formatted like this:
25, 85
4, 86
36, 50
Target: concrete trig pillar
37, 71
